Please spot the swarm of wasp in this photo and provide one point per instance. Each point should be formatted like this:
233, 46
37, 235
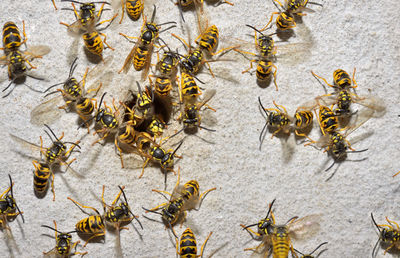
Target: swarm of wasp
187, 246
63, 246
86, 24
140, 55
286, 17
388, 234
92, 226
182, 199
279, 237
342, 96
14, 58
56, 155
77, 98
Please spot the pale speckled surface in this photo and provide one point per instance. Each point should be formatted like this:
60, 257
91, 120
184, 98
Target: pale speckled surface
346, 34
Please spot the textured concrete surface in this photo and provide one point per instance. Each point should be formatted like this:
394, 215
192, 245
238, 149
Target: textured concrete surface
345, 34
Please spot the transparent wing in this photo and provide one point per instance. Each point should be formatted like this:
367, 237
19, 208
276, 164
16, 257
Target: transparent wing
263, 249
3, 60
207, 97
103, 81
25, 143
75, 29
305, 227
129, 58
52, 253
145, 71
374, 103
294, 53
99, 68
36, 51
361, 118
47, 112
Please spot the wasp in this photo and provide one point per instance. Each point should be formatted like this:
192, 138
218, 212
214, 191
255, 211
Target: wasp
14, 58
286, 16
157, 154
92, 226
87, 23
118, 214
303, 118
327, 119
171, 212
264, 226
310, 254
41, 177
76, 96
276, 117
189, 192
9, 207
140, 55
190, 114
265, 45
188, 246
57, 153
279, 236
336, 143
108, 120
156, 127
343, 97
134, 8
63, 243
388, 234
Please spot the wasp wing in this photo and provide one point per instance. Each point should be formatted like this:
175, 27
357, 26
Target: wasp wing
374, 103
129, 58
25, 143
305, 227
145, 71
99, 86
47, 112
36, 51
207, 97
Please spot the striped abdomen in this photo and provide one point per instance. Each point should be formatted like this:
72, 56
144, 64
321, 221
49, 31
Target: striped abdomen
93, 42
264, 69
11, 36
140, 57
187, 244
303, 119
40, 176
190, 189
90, 225
209, 39
84, 107
134, 8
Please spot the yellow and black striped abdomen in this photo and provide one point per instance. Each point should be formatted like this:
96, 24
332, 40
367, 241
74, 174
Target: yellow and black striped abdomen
134, 8
11, 36
90, 225
191, 188
140, 57
41, 177
341, 78
189, 86
187, 244
93, 43
209, 38
285, 21
264, 70
163, 86
328, 120
303, 119
280, 247
84, 107
128, 135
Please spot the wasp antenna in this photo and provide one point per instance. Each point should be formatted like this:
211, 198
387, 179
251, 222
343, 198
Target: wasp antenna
270, 208
181, 11
156, 212
208, 129
324, 243
355, 151
173, 153
52, 86
48, 127
101, 100
250, 226
154, 13
73, 67
255, 29
173, 26
333, 163
45, 226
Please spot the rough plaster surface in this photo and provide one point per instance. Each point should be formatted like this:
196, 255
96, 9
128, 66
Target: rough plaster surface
346, 34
